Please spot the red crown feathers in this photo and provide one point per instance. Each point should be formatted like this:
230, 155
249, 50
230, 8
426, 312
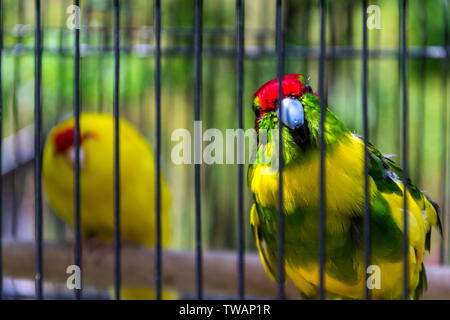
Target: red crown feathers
63, 140
267, 95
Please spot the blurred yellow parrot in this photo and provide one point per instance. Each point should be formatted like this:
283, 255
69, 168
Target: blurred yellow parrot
137, 190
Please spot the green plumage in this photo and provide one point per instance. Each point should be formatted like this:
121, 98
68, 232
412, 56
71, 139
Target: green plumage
344, 247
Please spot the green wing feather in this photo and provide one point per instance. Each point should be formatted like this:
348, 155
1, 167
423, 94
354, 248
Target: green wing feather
260, 242
386, 175
423, 283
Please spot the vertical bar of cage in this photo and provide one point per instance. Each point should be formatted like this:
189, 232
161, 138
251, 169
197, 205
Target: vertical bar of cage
116, 102
76, 112
158, 250
198, 36
1, 149
365, 119
240, 14
322, 200
279, 33
443, 254
405, 146
37, 152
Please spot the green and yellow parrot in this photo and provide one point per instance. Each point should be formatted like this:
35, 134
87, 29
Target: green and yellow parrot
345, 274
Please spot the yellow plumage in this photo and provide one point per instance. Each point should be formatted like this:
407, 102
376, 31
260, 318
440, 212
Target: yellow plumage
344, 165
137, 190
344, 184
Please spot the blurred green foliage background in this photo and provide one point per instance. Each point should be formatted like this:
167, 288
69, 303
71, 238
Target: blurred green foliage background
427, 123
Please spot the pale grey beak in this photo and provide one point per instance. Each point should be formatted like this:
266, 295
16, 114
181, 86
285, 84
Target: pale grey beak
292, 113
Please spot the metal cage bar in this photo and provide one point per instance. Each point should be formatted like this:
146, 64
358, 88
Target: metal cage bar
1, 149
280, 217
37, 152
405, 144
240, 14
198, 37
158, 246
116, 112
365, 120
77, 135
322, 200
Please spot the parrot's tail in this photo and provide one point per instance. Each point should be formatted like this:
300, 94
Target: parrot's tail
138, 293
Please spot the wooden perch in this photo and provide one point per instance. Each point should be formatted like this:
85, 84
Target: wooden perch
220, 267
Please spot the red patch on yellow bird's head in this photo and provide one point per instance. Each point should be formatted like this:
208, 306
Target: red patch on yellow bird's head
65, 139
265, 99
